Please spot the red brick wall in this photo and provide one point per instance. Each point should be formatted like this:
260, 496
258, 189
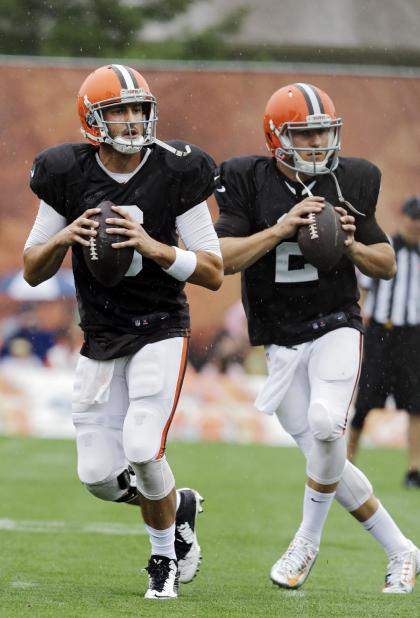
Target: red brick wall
222, 113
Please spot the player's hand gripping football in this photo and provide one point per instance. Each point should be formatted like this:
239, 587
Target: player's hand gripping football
349, 227
298, 215
137, 237
80, 230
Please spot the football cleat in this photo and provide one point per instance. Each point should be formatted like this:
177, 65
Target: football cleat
163, 578
412, 479
295, 564
187, 549
402, 570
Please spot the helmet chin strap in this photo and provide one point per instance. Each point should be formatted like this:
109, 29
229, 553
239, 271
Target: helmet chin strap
178, 153
341, 199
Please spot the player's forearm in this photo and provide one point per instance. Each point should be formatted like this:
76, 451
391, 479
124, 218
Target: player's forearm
239, 253
208, 267
42, 261
373, 260
209, 271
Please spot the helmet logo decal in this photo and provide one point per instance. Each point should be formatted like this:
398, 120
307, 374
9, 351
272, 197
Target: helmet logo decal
320, 120
133, 92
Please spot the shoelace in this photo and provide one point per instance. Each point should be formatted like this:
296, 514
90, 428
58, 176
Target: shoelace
184, 534
297, 556
399, 570
159, 573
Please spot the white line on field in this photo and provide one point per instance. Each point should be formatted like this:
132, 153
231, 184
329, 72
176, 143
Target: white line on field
23, 585
15, 525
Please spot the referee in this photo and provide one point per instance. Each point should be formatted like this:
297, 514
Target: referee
391, 363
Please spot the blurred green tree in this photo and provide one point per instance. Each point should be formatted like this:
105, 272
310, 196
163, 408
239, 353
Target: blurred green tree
79, 27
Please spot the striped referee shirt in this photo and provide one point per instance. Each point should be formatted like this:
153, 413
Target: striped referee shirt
396, 302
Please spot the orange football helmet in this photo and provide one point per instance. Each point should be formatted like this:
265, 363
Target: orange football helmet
301, 107
110, 85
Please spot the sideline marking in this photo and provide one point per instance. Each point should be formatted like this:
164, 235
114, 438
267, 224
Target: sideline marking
15, 525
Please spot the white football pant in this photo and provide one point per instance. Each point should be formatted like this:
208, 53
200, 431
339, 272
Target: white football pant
122, 411
314, 408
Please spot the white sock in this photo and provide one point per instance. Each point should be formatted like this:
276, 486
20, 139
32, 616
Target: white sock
315, 510
162, 541
384, 529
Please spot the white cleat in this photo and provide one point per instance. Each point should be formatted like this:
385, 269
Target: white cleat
401, 571
295, 564
187, 548
163, 578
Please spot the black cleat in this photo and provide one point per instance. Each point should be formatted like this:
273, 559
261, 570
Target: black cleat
412, 479
187, 549
163, 578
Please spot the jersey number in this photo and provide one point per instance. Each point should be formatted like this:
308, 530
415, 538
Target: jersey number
137, 261
291, 266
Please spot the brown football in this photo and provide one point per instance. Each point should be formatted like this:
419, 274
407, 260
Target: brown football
106, 264
322, 241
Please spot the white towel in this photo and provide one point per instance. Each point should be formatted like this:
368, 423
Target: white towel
282, 364
92, 382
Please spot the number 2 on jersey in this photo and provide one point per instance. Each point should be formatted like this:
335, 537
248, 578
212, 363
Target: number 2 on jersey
285, 252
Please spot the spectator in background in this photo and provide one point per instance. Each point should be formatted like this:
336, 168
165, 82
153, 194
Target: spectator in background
391, 364
20, 357
64, 354
230, 346
27, 328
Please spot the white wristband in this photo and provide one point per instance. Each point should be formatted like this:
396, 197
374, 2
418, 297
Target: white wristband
183, 266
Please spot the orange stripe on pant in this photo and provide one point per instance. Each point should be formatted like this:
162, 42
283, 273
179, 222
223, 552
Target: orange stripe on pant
357, 378
181, 374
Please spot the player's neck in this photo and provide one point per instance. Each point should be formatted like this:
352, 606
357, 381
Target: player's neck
116, 161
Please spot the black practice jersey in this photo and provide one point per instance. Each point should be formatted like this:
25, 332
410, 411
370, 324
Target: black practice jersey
151, 305
287, 300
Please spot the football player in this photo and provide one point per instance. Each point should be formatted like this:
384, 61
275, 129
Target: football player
132, 363
309, 320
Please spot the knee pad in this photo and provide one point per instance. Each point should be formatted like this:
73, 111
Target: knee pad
118, 489
154, 478
326, 460
353, 489
323, 425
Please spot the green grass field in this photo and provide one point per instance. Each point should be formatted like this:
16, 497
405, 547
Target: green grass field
65, 554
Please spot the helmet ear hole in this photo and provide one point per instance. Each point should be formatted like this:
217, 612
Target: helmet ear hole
89, 119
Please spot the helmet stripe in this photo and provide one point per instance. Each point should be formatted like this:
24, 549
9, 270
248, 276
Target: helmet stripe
312, 98
124, 76
133, 77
